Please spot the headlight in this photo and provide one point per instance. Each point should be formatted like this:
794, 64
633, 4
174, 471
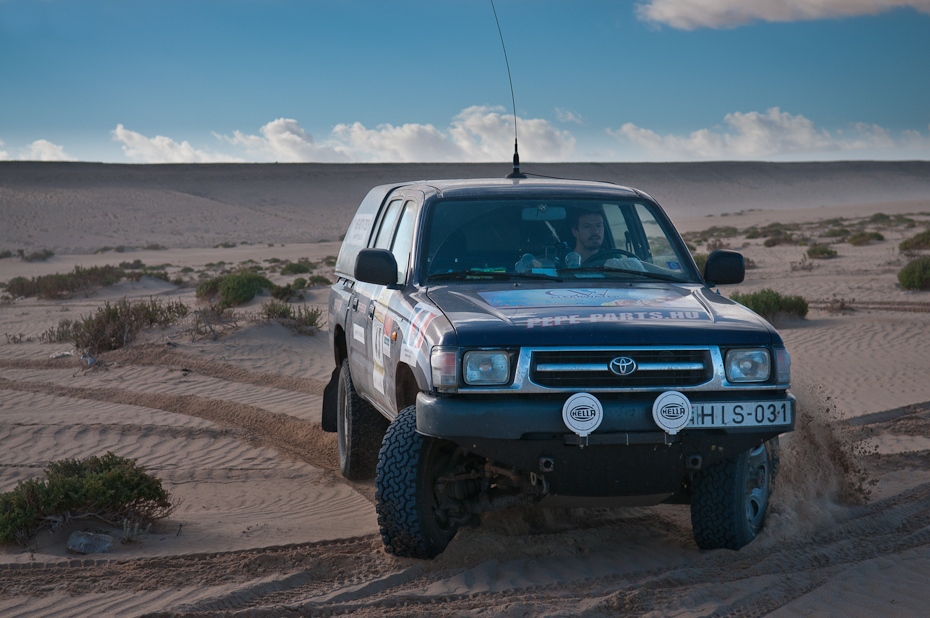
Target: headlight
486, 367
754, 365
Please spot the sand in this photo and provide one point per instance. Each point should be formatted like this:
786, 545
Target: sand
266, 526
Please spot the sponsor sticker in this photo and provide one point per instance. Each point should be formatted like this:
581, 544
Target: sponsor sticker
582, 413
671, 411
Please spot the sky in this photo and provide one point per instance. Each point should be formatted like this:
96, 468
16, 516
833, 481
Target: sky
171, 81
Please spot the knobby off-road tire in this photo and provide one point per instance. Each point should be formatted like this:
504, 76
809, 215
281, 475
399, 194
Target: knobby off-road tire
405, 497
729, 500
359, 429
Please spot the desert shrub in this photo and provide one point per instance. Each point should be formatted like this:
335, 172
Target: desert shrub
836, 232
916, 274
768, 303
879, 217
134, 265
863, 238
318, 280
187, 269
916, 243
38, 256
302, 318
114, 325
155, 247
63, 285
773, 241
330, 260
715, 244
112, 489
299, 283
233, 289
820, 252
5, 254
294, 269
282, 292
225, 245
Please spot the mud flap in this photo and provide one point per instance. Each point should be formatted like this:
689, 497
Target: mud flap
330, 396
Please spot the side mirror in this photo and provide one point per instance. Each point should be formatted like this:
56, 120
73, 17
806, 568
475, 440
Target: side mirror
376, 266
724, 267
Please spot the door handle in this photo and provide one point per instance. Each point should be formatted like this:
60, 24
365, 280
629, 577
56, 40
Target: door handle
355, 303
371, 310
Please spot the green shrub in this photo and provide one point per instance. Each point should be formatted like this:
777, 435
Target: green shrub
836, 232
134, 265
879, 217
916, 274
821, 252
916, 243
863, 238
233, 289
297, 268
110, 488
768, 303
114, 325
318, 280
299, 283
63, 286
5, 254
304, 319
38, 256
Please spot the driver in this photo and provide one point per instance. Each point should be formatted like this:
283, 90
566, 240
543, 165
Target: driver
588, 230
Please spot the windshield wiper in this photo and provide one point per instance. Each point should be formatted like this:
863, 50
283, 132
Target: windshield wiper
626, 271
473, 273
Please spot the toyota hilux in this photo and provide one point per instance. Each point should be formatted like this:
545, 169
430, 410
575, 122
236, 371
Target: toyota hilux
502, 343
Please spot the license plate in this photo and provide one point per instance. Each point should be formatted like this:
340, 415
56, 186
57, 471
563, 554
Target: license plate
741, 414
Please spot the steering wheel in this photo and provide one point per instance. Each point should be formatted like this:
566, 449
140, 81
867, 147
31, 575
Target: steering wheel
606, 254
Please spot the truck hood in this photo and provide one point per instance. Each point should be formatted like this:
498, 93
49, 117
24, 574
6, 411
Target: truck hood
618, 315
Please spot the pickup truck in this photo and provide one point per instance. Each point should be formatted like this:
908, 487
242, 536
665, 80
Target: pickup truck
504, 343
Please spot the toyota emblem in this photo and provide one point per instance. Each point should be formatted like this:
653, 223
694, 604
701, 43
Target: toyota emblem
623, 365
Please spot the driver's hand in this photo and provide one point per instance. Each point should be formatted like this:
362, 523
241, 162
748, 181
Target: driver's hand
625, 263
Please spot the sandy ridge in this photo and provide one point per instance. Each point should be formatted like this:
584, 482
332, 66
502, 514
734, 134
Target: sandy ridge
293, 436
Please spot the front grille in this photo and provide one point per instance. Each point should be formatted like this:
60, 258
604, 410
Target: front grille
591, 368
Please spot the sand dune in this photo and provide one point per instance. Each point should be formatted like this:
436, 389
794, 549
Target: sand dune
267, 527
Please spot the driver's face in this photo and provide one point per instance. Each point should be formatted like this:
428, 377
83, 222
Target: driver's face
590, 232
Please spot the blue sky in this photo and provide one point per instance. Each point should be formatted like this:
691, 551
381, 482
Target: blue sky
163, 81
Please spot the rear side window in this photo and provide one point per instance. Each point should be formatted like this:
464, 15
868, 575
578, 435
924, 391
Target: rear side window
403, 240
386, 229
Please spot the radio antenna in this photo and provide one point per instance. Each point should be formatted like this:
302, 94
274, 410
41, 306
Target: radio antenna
516, 153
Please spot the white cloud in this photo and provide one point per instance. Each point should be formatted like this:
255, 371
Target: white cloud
39, 150
566, 116
694, 14
160, 149
475, 134
770, 135
44, 150
285, 140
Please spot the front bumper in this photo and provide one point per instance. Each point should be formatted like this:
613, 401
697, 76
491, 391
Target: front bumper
627, 455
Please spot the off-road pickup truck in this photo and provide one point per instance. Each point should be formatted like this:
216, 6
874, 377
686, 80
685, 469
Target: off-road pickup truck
516, 342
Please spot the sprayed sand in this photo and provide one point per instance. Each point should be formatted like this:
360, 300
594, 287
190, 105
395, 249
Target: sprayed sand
267, 527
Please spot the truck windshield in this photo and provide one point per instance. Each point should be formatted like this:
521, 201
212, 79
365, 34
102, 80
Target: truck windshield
580, 239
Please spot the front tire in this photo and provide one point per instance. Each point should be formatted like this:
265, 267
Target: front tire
359, 429
406, 500
729, 500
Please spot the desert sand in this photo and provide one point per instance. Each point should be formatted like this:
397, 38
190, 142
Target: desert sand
265, 524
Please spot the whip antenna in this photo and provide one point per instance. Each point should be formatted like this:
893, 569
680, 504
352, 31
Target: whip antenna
516, 154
